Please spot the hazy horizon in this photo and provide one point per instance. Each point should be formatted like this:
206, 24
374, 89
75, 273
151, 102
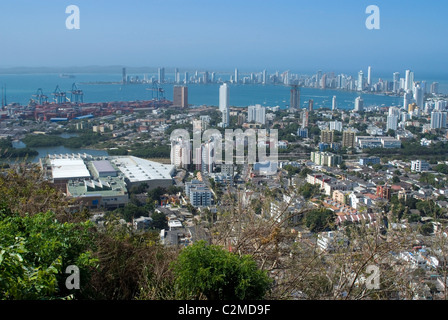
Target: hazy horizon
248, 35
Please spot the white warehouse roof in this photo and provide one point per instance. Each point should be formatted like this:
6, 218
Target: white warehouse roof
69, 169
137, 169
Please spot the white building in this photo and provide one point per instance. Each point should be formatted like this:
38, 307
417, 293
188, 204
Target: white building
392, 122
359, 104
419, 96
438, 120
224, 103
360, 80
256, 113
180, 153
336, 125
419, 166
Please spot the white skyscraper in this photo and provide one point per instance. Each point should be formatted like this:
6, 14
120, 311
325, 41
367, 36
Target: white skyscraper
336, 125
407, 99
224, 104
369, 75
419, 96
359, 104
360, 80
257, 114
396, 82
409, 80
180, 153
236, 78
392, 122
393, 111
334, 104
264, 77
438, 120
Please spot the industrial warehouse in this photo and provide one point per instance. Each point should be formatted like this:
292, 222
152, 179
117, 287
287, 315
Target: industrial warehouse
104, 181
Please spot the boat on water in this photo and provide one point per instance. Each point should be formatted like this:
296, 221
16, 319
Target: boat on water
66, 76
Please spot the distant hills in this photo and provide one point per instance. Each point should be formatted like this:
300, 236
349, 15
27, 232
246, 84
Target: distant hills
69, 70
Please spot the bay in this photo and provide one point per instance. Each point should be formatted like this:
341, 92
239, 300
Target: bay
20, 88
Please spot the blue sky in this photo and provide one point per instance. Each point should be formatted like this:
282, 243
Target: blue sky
299, 35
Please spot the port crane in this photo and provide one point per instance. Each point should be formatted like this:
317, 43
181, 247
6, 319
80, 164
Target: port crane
157, 90
77, 94
59, 95
40, 96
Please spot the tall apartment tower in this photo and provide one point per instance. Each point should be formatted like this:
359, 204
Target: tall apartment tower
435, 88
360, 80
294, 102
409, 80
161, 76
407, 99
236, 78
396, 82
334, 105
305, 118
180, 96
124, 80
348, 139
310, 105
327, 136
369, 76
224, 104
359, 104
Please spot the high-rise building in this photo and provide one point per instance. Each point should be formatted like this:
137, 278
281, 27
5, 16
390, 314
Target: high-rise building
124, 80
396, 82
236, 78
438, 119
265, 79
206, 77
257, 114
305, 118
360, 80
186, 80
327, 136
180, 96
208, 156
419, 96
369, 75
323, 82
435, 88
310, 105
224, 104
161, 75
334, 105
336, 125
409, 80
359, 104
407, 98
348, 139
294, 102
392, 122
180, 153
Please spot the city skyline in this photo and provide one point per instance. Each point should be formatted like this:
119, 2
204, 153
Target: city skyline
247, 35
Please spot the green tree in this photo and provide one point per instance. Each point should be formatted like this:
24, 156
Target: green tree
159, 221
208, 271
35, 251
319, 220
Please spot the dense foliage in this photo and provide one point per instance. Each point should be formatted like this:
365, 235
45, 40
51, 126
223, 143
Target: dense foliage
209, 271
8, 151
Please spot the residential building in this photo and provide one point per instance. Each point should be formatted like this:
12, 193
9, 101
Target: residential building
348, 139
327, 136
419, 166
180, 96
